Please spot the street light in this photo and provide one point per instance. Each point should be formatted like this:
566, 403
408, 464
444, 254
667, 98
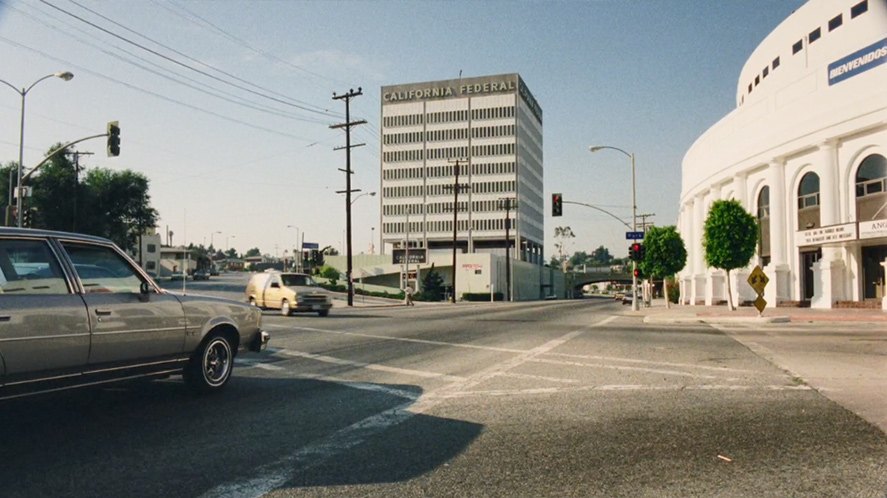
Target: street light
299, 244
227, 246
371, 194
65, 75
211, 238
634, 220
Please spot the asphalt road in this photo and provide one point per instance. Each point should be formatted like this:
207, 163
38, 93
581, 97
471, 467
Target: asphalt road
538, 399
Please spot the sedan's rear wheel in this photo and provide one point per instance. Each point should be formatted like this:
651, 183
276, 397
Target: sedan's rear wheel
210, 367
285, 308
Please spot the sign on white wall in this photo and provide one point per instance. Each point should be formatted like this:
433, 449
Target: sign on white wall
826, 235
872, 229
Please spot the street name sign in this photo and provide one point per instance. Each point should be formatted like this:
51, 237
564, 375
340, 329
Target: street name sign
634, 235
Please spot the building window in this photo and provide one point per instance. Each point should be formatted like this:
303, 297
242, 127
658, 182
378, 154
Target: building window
835, 22
151, 248
797, 47
871, 178
775, 63
749, 88
757, 80
150, 265
765, 72
814, 35
859, 9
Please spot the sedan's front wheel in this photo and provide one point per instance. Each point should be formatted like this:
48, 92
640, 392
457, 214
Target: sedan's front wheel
210, 367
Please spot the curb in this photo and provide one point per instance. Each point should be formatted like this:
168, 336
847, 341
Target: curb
716, 319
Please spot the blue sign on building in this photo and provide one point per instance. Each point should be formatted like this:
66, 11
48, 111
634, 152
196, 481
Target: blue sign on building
858, 62
634, 235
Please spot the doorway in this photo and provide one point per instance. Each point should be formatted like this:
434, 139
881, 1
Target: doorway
807, 260
873, 272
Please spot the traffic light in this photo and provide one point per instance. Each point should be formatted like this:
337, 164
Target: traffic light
113, 139
641, 252
637, 272
557, 207
634, 251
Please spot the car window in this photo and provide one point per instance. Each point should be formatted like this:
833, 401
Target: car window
102, 269
297, 280
29, 267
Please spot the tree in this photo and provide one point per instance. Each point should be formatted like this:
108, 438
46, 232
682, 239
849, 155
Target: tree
252, 252
231, 253
562, 234
579, 258
730, 237
432, 286
601, 256
665, 255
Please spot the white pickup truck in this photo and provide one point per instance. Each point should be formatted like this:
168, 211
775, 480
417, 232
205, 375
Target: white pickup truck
288, 292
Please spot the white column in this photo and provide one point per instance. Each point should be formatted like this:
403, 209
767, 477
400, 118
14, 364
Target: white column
777, 271
698, 293
829, 198
740, 186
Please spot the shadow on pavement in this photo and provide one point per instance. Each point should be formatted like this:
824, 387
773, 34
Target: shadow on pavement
157, 439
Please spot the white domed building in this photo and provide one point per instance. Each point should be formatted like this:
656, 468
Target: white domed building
805, 150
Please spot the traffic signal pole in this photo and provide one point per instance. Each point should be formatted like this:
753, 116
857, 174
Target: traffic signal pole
634, 222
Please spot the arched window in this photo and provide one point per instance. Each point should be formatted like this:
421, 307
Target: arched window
871, 188
808, 202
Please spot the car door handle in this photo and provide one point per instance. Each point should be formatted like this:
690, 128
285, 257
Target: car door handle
101, 312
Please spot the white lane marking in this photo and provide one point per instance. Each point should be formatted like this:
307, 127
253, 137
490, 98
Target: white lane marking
539, 377
370, 366
616, 387
275, 474
651, 362
517, 351
636, 369
405, 339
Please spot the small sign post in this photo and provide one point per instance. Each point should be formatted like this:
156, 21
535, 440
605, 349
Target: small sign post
758, 281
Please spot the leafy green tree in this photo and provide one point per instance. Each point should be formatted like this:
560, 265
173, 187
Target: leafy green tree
579, 258
432, 286
601, 257
665, 255
562, 235
330, 273
730, 237
252, 252
117, 205
231, 253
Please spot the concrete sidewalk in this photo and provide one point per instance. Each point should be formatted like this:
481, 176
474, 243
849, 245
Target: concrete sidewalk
841, 353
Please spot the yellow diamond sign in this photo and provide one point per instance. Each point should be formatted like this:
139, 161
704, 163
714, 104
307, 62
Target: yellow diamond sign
758, 280
760, 304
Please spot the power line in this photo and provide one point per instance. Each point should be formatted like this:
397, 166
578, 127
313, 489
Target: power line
179, 63
153, 94
202, 89
191, 16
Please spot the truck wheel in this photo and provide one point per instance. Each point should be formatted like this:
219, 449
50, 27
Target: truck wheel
285, 308
209, 369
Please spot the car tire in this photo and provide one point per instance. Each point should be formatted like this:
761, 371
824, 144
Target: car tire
252, 302
323, 313
210, 367
285, 308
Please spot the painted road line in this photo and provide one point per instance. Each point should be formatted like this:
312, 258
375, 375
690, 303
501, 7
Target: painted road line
634, 369
370, 366
273, 475
539, 377
616, 387
652, 362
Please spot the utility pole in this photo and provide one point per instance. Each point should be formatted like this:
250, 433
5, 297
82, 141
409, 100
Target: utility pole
456, 188
77, 155
508, 203
347, 125
644, 221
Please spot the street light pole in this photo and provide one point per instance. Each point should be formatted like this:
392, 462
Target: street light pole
297, 259
634, 220
65, 75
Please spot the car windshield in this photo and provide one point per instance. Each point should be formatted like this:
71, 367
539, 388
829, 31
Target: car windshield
297, 280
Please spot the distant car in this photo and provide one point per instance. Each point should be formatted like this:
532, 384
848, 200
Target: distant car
178, 276
76, 311
287, 292
200, 275
214, 271
626, 299
619, 296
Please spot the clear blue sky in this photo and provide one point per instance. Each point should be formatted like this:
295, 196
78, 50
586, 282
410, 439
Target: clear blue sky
647, 76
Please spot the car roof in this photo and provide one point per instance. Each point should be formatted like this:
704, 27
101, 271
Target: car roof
31, 232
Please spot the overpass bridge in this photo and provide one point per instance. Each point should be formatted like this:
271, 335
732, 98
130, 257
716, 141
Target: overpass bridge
596, 274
